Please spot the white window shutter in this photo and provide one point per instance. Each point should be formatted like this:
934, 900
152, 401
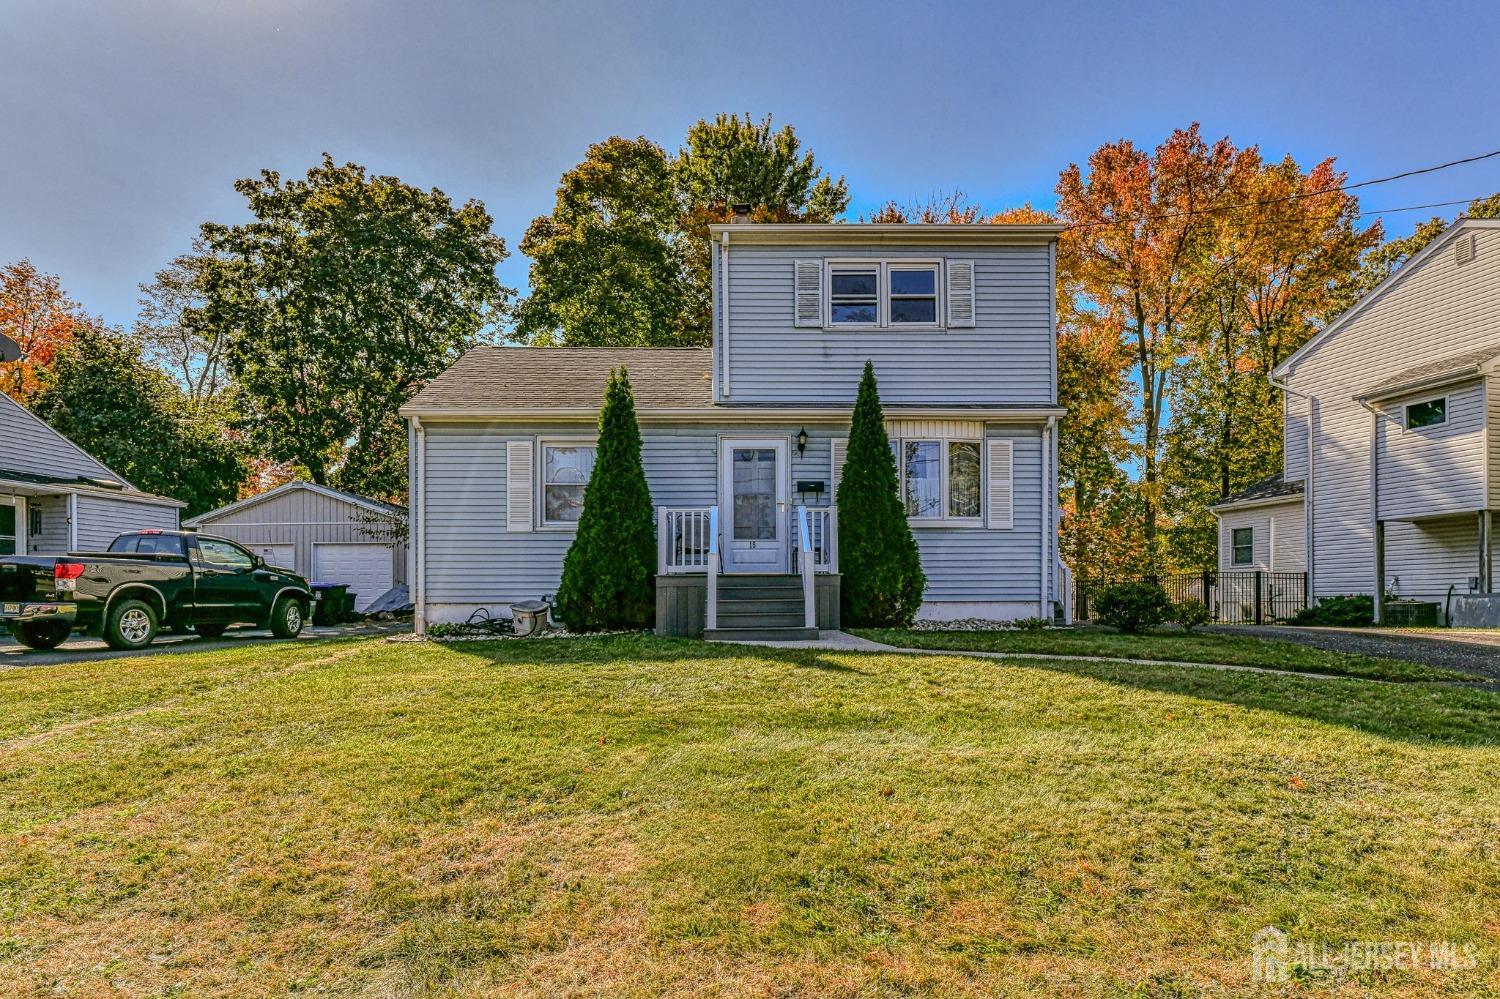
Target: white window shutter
1002, 484
519, 488
809, 292
960, 292
838, 451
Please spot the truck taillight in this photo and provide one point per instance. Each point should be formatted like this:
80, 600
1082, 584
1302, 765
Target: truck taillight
65, 575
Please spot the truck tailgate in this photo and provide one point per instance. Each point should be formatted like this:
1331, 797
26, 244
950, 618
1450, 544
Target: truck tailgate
25, 578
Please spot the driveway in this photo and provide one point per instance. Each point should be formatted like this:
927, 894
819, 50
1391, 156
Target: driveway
1476, 652
78, 648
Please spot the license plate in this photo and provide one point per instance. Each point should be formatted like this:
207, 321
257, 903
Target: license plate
12, 608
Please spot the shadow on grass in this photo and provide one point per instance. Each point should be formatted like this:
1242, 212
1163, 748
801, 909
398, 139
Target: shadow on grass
643, 648
1434, 713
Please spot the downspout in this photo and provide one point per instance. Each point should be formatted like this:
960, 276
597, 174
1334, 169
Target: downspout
1045, 516
724, 326
1309, 492
72, 522
417, 503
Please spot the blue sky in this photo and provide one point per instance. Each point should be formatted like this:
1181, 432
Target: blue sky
127, 123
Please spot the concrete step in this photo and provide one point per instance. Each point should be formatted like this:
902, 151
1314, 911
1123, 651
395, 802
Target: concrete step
760, 634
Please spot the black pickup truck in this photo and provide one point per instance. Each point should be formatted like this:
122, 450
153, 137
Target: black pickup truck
148, 580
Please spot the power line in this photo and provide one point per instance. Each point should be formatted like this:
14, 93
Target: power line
1299, 195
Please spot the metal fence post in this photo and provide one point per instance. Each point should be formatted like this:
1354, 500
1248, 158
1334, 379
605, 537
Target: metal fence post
1260, 611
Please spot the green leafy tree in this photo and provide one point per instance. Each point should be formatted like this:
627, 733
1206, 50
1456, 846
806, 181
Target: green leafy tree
607, 266
734, 160
882, 568
344, 295
103, 397
609, 574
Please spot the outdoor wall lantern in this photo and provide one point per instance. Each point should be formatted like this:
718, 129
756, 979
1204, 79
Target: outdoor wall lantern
801, 441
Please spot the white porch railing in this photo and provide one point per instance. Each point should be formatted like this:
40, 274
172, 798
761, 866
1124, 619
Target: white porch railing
807, 561
711, 614
684, 536
823, 529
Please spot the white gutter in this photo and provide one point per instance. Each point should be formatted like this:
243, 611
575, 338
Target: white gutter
72, 522
724, 325
760, 413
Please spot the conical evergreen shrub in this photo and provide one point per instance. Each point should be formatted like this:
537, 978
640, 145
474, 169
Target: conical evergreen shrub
882, 569
609, 575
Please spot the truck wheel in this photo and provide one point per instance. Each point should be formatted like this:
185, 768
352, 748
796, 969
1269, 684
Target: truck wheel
131, 625
40, 634
210, 630
286, 618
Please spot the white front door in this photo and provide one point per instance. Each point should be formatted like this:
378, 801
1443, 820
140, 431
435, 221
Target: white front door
753, 501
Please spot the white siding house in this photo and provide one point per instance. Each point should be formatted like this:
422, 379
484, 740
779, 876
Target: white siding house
1393, 429
1263, 529
56, 498
750, 434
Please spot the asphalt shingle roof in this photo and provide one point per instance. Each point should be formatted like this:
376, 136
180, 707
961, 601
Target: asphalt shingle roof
491, 378
1271, 487
1453, 364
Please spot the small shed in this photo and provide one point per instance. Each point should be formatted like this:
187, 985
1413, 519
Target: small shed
325, 534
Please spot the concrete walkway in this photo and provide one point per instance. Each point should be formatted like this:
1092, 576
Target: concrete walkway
841, 641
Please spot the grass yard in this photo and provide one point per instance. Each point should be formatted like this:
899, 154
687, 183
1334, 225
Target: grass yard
1169, 645
641, 817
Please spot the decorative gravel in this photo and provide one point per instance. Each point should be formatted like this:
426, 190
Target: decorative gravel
964, 624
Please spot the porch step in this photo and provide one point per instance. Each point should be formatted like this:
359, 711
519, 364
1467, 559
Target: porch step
760, 634
761, 607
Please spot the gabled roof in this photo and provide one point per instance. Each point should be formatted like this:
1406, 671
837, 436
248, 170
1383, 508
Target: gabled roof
1462, 224
1271, 489
364, 502
1443, 371
487, 379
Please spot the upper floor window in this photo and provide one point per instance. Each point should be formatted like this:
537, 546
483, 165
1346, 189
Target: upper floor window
566, 468
1242, 546
883, 293
1427, 413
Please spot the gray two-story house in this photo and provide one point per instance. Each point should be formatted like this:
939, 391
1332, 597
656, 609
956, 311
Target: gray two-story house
1392, 434
743, 443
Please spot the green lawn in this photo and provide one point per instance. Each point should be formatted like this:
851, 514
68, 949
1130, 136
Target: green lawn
1170, 645
633, 816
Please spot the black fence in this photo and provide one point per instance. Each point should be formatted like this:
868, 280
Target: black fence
1231, 597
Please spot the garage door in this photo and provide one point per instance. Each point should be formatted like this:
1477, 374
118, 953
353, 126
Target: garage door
281, 556
365, 569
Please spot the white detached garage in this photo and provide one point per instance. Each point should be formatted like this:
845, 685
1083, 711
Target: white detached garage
325, 534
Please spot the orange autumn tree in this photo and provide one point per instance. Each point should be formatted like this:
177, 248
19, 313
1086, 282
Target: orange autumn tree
40, 318
1139, 223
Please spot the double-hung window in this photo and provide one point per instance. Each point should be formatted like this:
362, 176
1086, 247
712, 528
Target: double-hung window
883, 294
1242, 546
940, 479
566, 467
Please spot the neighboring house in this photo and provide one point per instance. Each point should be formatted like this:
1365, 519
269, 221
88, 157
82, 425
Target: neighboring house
324, 534
1392, 424
56, 498
750, 435
1263, 528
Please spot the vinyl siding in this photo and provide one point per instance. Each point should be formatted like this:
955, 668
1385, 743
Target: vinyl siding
1423, 560
1006, 358
32, 446
1437, 309
1294, 438
54, 537
1280, 536
303, 518
101, 518
1432, 471
1492, 437
472, 560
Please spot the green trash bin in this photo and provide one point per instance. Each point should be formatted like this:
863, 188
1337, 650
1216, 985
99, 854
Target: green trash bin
331, 601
